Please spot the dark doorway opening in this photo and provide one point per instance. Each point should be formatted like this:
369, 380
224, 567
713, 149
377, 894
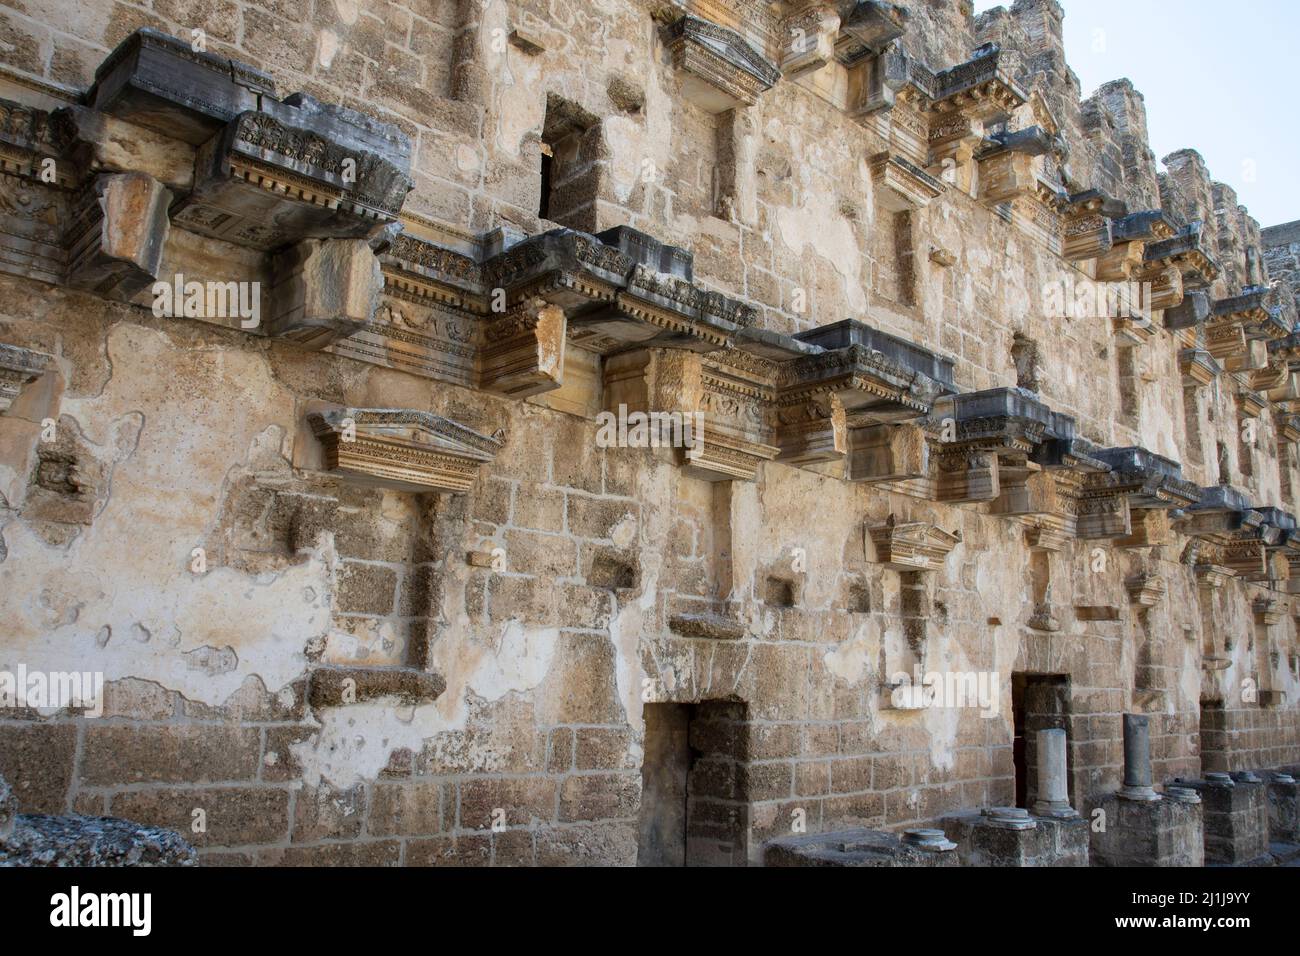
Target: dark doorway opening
693, 809
571, 165
1038, 702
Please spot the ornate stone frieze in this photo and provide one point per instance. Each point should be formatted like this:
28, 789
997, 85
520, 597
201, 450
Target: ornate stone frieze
264, 181
402, 449
1087, 225
720, 69
1148, 479
811, 429
1231, 534
902, 186
809, 37
979, 87
912, 546
1184, 250
623, 288
717, 412
1198, 367
41, 183
1112, 501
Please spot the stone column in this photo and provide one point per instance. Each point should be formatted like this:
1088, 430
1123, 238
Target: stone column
1053, 793
1137, 759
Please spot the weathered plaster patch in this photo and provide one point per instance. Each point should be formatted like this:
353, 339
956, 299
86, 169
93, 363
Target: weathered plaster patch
851, 660
356, 741
138, 611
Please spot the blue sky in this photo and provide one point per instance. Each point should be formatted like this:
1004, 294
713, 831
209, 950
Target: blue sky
1217, 77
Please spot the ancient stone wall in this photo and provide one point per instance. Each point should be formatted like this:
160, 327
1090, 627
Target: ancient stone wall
367, 583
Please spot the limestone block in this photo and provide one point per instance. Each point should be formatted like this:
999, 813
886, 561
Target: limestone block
523, 354
116, 240
1163, 832
323, 290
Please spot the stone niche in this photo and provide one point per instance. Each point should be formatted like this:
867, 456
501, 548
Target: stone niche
401, 449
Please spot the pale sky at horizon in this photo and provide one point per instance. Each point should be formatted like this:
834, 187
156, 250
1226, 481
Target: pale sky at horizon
1216, 78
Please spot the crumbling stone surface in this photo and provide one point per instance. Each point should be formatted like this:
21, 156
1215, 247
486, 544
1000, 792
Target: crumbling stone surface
41, 840
853, 848
982, 841
8, 809
1162, 832
1236, 821
1283, 818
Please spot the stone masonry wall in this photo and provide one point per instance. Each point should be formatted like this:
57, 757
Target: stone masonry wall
176, 435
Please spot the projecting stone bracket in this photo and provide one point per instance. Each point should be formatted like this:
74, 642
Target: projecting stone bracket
808, 39
116, 237
1198, 367
901, 186
720, 70
264, 181
1088, 225
912, 546
811, 429
401, 449
1146, 590
622, 288
523, 354
323, 290
344, 686
164, 84
1184, 250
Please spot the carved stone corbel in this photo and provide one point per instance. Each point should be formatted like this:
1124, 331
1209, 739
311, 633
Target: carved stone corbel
964, 99
808, 39
720, 70
116, 237
402, 449
1146, 590
268, 179
523, 353
1086, 227
811, 429
1198, 367
900, 185
323, 290
912, 546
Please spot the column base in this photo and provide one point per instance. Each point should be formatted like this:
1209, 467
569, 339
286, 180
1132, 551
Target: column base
1145, 794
